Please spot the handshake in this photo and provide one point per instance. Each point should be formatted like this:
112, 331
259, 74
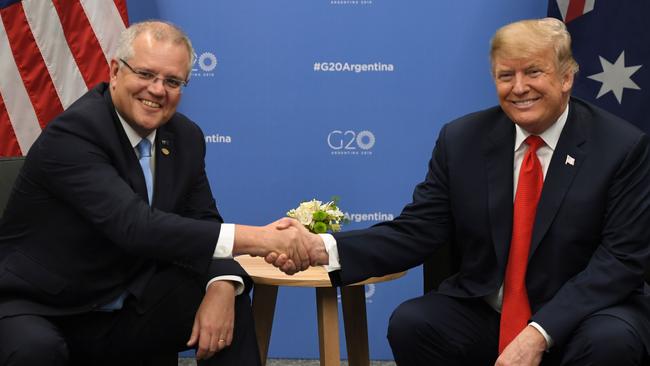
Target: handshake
285, 243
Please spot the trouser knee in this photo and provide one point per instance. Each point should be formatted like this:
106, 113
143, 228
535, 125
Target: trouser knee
36, 350
40, 354
402, 327
604, 340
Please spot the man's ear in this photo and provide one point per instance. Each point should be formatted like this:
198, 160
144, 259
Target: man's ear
114, 68
567, 81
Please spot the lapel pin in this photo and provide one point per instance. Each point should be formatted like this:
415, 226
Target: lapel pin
165, 151
570, 160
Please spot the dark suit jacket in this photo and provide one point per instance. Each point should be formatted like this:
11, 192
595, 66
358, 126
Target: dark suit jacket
78, 230
591, 236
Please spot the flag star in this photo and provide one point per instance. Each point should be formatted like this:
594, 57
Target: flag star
615, 77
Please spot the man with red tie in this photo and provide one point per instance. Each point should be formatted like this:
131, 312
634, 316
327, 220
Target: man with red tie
546, 200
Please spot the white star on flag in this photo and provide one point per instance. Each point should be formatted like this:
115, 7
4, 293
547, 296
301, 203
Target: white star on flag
615, 77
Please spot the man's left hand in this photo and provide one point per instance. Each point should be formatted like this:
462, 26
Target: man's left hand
526, 349
214, 321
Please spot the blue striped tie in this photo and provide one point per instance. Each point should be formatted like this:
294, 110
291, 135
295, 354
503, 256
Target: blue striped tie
144, 148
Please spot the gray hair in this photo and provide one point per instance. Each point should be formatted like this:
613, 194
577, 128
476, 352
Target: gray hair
161, 31
527, 37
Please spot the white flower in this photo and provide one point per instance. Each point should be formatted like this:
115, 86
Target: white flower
329, 216
335, 214
304, 215
312, 205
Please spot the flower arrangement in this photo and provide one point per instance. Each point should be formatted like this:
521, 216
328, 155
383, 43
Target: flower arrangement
318, 217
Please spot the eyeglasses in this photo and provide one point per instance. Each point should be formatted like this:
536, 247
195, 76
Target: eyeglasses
171, 84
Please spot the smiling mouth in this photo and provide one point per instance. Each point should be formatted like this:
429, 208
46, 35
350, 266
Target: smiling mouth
525, 102
150, 104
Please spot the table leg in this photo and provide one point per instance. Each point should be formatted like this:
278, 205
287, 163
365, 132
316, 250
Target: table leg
353, 301
264, 297
328, 326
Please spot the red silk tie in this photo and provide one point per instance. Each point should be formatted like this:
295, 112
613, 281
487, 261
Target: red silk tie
516, 309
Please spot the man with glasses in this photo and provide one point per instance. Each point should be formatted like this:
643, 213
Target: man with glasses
111, 247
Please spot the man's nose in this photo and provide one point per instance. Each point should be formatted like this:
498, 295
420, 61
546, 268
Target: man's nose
520, 85
157, 86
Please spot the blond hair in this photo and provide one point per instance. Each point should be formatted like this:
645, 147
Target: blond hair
527, 37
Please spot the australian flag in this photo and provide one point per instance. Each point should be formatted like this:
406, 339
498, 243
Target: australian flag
611, 42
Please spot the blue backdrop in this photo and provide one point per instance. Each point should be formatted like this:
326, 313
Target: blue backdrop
304, 99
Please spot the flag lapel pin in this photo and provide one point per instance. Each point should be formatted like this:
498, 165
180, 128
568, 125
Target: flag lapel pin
570, 160
166, 146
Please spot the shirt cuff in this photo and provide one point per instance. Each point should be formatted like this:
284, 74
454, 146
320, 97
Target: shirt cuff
332, 251
238, 282
549, 340
225, 242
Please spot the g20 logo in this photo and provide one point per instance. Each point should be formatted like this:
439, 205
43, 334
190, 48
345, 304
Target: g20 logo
350, 140
207, 61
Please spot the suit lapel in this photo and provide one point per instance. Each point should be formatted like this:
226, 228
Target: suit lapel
131, 170
164, 179
499, 155
567, 159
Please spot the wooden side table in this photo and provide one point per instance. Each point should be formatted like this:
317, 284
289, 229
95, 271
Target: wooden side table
267, 279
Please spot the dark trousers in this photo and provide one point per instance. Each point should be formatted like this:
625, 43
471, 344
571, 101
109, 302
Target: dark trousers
439, 330
124, 337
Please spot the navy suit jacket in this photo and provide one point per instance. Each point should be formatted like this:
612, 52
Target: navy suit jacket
591, 237
78, 230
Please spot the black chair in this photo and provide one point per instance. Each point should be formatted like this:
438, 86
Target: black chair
9, 169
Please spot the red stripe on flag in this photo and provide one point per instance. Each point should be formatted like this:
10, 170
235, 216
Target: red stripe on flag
82, 41
576, 9
8, 142
121, 7
31, 65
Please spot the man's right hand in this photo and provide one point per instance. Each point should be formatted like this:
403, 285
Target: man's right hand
281, 236
312, 242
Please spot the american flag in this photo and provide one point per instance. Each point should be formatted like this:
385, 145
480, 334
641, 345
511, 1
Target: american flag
611, 42
51, 52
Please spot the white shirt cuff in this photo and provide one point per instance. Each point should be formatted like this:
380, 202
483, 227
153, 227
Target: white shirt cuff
225, 242
238, 282
332, 251
549, 340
